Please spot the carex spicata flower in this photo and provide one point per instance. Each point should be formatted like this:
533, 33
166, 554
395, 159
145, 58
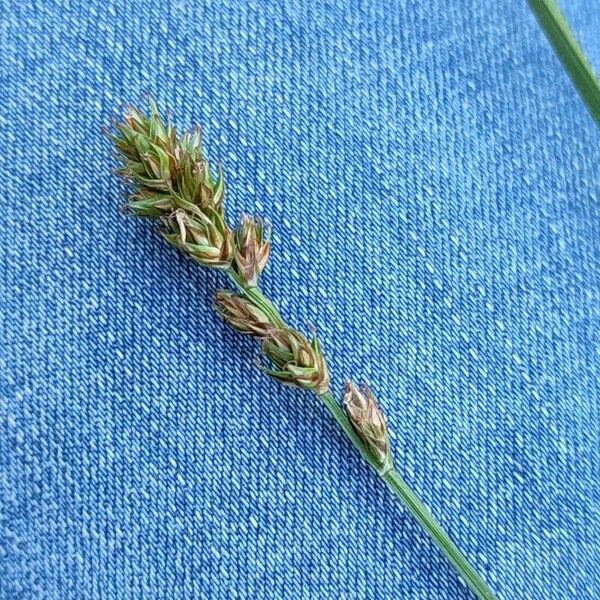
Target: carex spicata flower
172, 182
368, 422
296, 361
202, 235
241, 314
252, 247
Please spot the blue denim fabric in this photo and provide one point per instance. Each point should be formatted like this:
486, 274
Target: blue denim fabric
432, 178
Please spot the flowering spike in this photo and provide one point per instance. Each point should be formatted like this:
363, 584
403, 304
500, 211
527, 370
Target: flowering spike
296, 361
172, 183
252, 241
369, 423
241, 314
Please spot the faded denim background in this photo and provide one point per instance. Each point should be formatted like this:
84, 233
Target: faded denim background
433, 181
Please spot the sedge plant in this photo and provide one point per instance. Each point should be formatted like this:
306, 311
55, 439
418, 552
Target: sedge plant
171, 182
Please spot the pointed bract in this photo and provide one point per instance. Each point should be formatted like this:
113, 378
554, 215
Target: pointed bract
252, 247
202, 236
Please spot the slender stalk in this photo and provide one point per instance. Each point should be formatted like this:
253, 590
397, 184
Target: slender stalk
440, 537
569, 52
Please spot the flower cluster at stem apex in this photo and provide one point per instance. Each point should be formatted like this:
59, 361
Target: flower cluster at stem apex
171, 182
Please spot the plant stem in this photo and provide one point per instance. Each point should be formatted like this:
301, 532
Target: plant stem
257, 298
389, 474
440, 537
569, 52
415, 506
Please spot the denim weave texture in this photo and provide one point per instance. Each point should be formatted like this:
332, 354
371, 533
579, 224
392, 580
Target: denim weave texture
433, 182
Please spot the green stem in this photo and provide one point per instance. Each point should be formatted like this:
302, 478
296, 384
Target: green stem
439, 536
415, 506
570, 54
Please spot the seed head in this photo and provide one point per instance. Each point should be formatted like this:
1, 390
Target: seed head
368, 422
164, 169
241, 314
297, 362
252, 246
